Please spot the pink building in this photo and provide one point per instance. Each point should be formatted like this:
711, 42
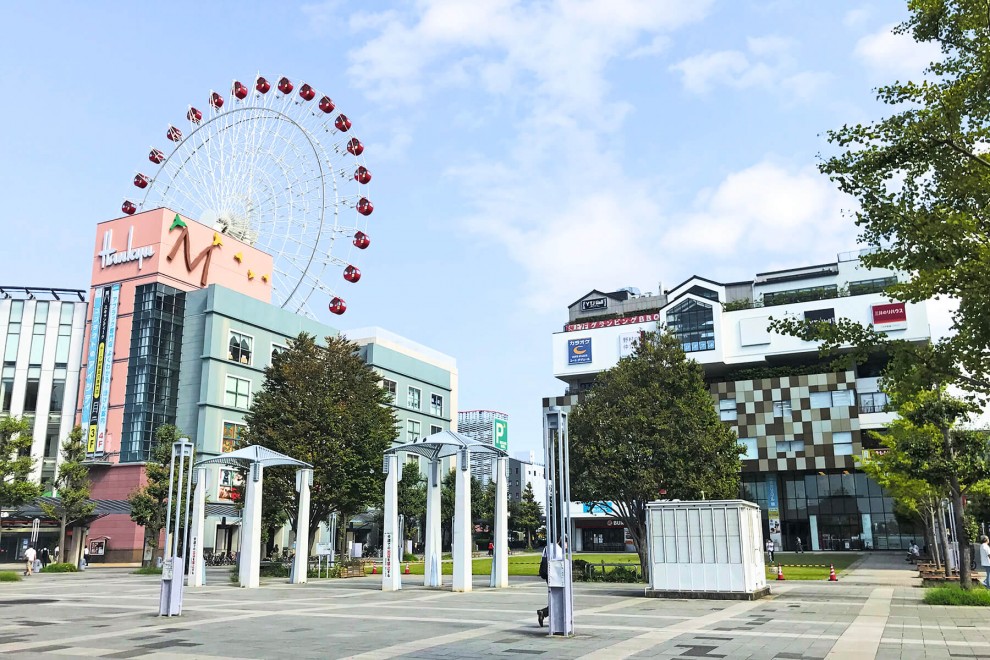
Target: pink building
129, 375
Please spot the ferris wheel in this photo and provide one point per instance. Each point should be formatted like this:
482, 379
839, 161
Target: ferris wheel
277, 168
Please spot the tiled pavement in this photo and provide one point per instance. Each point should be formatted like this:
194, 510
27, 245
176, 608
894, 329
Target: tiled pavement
873, 612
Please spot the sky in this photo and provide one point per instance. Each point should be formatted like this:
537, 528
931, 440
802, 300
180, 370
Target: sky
523, 153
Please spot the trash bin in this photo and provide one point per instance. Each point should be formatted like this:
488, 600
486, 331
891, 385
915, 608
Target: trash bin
37, 566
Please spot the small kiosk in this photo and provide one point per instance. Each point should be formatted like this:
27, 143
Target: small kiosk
706, 549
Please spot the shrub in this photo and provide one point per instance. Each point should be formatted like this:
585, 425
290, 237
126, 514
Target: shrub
411, 557
622, 574
579, 570
953, 595
9, 576
60, 568
148, 570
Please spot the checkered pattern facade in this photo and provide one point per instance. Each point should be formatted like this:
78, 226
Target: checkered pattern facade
756, 418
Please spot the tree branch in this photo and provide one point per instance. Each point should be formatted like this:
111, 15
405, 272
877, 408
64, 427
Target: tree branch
965, 152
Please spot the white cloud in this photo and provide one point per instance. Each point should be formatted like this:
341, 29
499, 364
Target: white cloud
856, 18
767, 63
895, 54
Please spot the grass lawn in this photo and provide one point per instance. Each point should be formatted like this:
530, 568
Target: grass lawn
9, 576
524, 564
810, 566
953, 595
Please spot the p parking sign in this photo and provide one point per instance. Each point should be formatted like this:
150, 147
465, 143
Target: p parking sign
500, 434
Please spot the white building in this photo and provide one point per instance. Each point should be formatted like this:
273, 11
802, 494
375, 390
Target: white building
801, 421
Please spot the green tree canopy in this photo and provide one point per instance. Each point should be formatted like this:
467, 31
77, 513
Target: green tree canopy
16, 464
323, 405
529, 514
412, 497
72, 486
649, 430
921, 179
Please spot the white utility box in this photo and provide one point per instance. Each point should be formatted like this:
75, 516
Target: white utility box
706, 549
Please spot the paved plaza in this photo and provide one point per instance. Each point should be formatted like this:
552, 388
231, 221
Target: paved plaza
875, 611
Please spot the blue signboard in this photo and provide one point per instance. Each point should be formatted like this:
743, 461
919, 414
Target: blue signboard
579, 351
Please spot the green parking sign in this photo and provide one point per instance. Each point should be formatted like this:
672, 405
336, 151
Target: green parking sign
500, 434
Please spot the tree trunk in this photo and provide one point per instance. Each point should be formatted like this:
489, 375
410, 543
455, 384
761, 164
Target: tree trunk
929, 537
934, 544
946, 548
61, 537
638, 532
962, 538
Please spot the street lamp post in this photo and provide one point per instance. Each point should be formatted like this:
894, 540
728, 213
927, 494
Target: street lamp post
170, 603
558, 514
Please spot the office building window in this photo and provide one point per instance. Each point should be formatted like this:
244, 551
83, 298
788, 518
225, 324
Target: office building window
152, 389
752, 453
57, 398
31, 392
782, 409
790, 446
873, 402
64, 334
13, 331
435, 429
412, 430
277, 349
237, 393
878, 285
389, 386
414, 398
38, 333
436, 405
727, 410
821, 399
6, 389
693, 323
240, 347
843, 398
842, 443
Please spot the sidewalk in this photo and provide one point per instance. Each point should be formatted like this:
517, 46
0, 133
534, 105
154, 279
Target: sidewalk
886, 569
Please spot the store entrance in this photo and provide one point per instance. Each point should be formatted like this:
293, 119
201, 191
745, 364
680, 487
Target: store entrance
791, 531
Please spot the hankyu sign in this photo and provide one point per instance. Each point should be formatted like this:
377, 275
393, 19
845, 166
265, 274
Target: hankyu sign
889, 316
611, 323
500, 434
594, 304
109, 256
579, 351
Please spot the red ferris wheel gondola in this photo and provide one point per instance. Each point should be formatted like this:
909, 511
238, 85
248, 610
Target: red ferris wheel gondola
307, 93
338, 306
352, 273
361, 240
364, 206
156, 156
194, 115
141, 181
216, 101
354, 147
326, 105
362, 175
262, 85
240, 91
285, 85
342, 123
128, 207
173, 134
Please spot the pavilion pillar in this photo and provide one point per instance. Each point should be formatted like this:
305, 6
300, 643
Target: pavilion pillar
500, 560
432, 572
250, 561
197, 566
391, 559
300, 564
462, 523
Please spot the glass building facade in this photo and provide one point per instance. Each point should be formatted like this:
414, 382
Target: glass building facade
151, 397
831, 511
693, 323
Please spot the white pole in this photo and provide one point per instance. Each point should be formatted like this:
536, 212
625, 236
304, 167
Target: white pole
197, 567
462, 523
391, 575
250, 568
304, 479
432, 574
500, 560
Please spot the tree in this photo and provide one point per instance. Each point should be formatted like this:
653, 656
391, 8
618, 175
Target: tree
448, 491
149, 504
649, 427
921, 178
530, 514
72, 487
412, 497
323, 405
917, 498
16, 464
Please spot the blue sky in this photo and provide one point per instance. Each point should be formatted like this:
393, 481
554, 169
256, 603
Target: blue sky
523, 152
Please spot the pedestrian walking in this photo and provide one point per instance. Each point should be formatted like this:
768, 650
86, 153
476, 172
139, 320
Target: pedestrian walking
549, 552
770, 551
55, 554
29, 556
491, 549
46, 558
800, 545
985, 559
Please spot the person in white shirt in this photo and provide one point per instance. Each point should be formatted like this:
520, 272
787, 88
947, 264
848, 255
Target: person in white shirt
770, 551
29, 556
985, 559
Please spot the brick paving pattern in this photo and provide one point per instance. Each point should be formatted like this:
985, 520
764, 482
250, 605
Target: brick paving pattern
875, 611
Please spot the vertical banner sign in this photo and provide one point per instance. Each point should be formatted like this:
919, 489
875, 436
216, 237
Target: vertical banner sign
773, 511
94, 337
387, 565
500, 434
111, 335
99, 399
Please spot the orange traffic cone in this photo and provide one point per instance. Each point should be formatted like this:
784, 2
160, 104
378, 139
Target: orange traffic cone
407, 569
374, 568
780, 572
831, 573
